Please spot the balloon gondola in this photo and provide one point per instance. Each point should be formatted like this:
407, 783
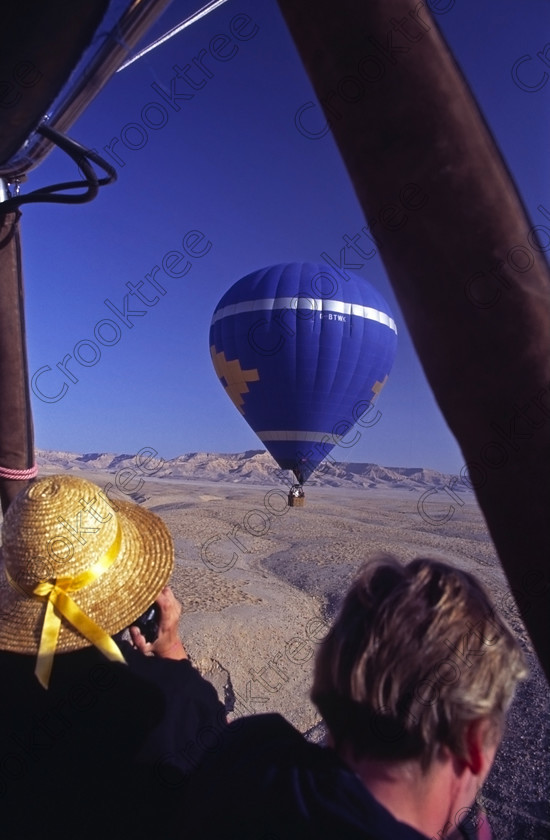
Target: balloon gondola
303, 355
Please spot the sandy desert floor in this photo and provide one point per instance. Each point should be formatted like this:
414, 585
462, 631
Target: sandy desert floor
259, 583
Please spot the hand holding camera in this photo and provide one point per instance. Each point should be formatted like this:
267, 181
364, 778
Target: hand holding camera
156, 632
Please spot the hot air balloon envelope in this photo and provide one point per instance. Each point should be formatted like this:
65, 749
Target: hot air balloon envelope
302, 355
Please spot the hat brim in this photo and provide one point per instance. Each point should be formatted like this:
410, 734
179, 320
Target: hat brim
114, 600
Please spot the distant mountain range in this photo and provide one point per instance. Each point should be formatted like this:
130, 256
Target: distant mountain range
253, 466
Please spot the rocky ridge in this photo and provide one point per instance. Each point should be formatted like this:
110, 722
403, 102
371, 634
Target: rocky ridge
252, 467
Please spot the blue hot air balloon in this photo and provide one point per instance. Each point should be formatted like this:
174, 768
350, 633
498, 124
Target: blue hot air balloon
302, 353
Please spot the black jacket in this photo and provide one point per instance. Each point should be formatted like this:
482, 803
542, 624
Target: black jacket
105, 751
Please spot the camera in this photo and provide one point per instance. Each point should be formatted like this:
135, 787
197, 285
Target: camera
148, 623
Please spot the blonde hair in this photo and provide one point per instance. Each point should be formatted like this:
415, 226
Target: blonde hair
415, 654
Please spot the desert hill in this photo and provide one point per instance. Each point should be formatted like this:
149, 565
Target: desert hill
254, 467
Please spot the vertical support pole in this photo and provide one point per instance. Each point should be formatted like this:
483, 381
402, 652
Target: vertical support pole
17, 465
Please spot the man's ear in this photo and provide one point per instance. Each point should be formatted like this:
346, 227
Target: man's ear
481, 746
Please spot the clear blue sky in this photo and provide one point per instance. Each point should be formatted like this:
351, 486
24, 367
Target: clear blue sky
231, 164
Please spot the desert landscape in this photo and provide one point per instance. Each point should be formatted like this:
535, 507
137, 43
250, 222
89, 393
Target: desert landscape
260, 582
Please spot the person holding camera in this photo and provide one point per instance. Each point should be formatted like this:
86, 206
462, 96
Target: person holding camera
89, 723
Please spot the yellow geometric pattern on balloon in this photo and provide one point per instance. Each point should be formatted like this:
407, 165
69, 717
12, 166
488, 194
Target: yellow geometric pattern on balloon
235, 377
377, 387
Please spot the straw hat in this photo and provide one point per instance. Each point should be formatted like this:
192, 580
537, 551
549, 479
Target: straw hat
61, 529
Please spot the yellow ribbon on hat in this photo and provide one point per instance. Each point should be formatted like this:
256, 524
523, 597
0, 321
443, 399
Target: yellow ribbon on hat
59, 603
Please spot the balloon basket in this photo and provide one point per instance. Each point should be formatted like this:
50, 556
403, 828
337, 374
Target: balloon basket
296, 501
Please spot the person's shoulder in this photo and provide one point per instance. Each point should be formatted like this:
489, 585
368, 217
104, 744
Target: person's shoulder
267, 734
268, 725
265, 753
265, 776
252, 746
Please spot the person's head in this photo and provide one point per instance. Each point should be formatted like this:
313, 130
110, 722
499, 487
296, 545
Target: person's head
415, 657
76, 568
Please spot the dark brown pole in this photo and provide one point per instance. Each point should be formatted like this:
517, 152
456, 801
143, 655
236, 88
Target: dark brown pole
16, 428
467, 268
